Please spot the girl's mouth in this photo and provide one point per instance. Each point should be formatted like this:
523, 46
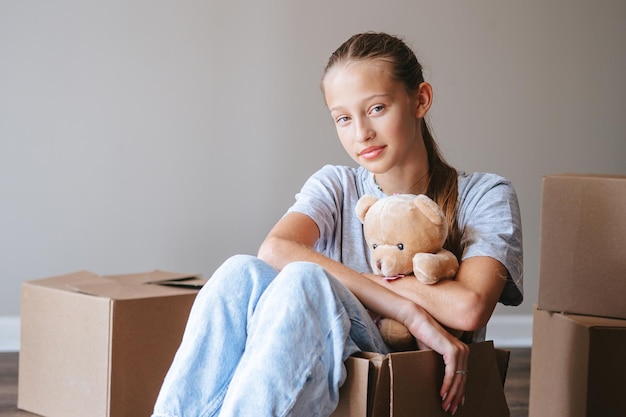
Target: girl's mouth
371, 152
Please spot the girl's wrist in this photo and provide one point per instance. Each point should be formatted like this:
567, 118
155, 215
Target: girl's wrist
411, 315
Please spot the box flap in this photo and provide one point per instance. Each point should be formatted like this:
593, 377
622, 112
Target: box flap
152, 277
186, 282
353, 392
134, 286
122, 287
380, 386
587, 322
503, 357
365, 393
592, 322
416, 379
62, 282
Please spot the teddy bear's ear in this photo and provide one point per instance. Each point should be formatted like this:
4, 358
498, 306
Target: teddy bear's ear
430, 209
363, 205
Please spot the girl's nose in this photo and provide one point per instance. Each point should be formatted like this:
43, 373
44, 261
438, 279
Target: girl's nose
364, 131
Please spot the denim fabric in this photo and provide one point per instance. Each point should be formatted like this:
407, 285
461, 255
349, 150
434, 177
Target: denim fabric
265, 343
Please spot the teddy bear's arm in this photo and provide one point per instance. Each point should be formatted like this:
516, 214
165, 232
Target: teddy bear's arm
429, 268
396, 335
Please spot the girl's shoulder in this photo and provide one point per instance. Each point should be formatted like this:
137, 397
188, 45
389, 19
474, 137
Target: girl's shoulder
483, 182
342, 176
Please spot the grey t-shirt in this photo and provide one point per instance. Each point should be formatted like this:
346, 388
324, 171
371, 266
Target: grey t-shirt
488, 217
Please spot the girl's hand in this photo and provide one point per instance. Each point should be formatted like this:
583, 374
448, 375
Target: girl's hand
452, 391
454, 352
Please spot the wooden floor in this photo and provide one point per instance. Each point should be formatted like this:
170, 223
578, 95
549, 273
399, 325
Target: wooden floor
516, 387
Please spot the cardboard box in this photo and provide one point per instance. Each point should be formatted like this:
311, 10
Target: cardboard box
100, 346
583, 240
578, 368
407, 384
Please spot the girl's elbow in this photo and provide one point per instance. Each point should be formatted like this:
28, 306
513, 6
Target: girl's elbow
268, 250
475, 313
276, 251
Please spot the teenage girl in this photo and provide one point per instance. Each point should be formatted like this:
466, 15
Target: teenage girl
268, 335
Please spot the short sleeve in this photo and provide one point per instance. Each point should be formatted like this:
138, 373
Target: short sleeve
320, 199
329, 198
490, 222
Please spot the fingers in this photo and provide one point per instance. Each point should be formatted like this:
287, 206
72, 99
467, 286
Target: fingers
455, 377
454, 352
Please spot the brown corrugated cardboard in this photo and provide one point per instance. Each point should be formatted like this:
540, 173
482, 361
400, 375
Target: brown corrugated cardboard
577, 366
583, 241
407, 384
99, 346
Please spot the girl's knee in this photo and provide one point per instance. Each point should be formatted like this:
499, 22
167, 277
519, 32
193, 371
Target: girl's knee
239, 265
305, 275
238, 261
242, 271
304, 267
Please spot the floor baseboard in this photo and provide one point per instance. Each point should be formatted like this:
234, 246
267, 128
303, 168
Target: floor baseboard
506, 330
9, 333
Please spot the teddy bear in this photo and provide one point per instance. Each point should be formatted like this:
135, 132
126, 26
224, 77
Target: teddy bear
405, 234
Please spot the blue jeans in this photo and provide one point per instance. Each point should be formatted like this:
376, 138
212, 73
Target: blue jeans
265, 343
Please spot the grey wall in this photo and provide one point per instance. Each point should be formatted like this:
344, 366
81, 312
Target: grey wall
137, 135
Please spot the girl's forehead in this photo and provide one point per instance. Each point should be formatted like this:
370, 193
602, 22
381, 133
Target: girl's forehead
353, 79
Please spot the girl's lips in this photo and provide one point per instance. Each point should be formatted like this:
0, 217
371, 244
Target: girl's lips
371, 152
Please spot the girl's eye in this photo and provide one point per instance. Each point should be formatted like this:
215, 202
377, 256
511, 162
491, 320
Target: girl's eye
342, 120
378, 108
374, 246
400, 246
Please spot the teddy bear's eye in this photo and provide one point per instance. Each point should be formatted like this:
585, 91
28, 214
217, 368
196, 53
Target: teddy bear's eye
375, 245
400, 246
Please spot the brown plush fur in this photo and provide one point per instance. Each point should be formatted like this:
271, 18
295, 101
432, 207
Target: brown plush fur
405, 234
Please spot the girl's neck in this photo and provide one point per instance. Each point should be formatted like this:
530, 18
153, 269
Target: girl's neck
417, 184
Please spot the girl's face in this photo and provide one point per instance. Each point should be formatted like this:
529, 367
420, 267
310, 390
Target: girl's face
377, 120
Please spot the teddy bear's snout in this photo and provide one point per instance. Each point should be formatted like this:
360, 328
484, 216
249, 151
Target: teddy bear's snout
388, 266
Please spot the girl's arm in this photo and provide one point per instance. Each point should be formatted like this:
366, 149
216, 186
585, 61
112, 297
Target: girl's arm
464, 303
292, 239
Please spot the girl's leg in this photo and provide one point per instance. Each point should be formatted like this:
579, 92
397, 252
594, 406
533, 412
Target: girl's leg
305, 326
214, 339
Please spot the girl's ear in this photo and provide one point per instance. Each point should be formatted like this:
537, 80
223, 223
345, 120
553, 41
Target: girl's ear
424, 100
